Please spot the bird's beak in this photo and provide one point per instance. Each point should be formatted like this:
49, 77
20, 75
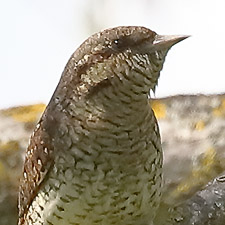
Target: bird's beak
167, 41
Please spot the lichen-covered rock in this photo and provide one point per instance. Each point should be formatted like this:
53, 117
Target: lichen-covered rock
206, 206
16, 125
192, 130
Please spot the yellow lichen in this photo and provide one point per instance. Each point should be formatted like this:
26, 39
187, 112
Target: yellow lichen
200, 175
25, 113
208, 159
183, 187
11, 145
159, 109
220, 111
200, 125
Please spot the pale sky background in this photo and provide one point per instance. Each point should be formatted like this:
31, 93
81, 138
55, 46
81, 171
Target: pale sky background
38, 37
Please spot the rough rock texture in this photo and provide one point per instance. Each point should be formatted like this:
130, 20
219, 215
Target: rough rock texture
192, 130
206, 207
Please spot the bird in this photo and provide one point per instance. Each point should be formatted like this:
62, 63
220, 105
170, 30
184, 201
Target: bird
95, 156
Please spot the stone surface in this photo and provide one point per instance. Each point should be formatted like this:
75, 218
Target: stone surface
206, 206
192, 130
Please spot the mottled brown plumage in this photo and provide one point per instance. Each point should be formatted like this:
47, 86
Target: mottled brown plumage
95, 156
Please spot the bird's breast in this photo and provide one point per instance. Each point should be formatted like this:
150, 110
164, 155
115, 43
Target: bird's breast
108, 176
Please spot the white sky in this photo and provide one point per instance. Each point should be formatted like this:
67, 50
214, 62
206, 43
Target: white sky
38, 37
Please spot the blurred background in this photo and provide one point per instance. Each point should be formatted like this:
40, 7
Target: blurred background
38, 37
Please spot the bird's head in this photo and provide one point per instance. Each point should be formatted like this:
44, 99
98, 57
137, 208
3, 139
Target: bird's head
122, 59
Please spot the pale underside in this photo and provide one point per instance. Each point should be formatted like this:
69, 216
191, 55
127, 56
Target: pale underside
111, 187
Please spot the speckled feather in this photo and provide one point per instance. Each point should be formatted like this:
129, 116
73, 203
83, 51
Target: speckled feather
95, 156
39, 158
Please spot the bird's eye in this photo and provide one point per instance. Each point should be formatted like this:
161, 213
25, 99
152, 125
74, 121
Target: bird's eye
116, 42
121, 43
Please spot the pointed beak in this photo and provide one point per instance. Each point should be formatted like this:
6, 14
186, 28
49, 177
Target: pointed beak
167, 41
